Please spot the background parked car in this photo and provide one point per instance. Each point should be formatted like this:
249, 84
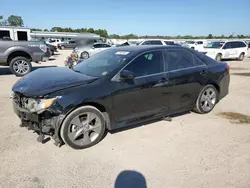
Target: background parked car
85, 52
196, 45
226, 50
68, 44
18, 55
156, 42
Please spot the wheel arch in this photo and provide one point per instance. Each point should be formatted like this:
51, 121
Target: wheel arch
97, 105
18, 53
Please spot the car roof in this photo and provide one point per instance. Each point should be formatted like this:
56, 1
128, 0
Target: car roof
142, 48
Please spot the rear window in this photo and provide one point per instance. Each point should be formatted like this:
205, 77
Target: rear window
204, 58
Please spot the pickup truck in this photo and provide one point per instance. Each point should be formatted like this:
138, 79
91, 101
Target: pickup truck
18, 55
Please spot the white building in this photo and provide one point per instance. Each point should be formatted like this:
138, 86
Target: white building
15, 33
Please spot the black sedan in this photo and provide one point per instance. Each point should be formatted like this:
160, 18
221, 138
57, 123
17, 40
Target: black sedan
116, 88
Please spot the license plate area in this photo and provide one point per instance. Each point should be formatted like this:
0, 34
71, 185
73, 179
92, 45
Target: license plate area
29, 117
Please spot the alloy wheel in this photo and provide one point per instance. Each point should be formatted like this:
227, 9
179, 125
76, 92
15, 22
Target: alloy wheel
21, 67
208, 99
84, 128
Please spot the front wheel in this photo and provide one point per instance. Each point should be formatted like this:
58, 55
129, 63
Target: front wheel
83, 128
84, 55
218, 57
206, 100
20, 66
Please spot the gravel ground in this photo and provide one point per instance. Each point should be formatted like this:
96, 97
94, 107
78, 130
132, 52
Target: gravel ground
191, 151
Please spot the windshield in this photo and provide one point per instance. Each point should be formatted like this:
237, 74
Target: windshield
215, 45
190, 42
102, 63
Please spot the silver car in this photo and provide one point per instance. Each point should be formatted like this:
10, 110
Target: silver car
87, 51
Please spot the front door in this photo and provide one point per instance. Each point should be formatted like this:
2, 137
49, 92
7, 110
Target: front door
187, 75
144, 95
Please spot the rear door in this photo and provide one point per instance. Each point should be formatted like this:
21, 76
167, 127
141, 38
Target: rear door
144, 95
186, 75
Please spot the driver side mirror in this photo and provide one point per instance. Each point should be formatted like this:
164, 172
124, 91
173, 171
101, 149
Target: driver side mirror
127, 75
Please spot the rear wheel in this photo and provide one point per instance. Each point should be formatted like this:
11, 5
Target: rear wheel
82, 128
241, 57
207, 99
62, 47
84, 55
218, 57
20, 66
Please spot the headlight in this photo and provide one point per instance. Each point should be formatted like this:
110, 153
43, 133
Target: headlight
39, 105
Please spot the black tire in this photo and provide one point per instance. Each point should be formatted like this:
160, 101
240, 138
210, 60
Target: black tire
84, 55
16, 71
241, 57
199, 102
192, 48
218, 57
62, 47
67, 124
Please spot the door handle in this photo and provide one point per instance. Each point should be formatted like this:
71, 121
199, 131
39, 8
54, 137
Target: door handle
203, 72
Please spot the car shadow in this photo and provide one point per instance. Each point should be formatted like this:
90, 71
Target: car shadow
146, 122
130, 179
6, 70
52, 59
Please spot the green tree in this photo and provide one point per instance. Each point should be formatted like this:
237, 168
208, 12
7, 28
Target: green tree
91, 30
46, 30
210, 36
2, 21
15, 20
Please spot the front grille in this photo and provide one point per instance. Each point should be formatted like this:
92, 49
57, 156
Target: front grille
20, 100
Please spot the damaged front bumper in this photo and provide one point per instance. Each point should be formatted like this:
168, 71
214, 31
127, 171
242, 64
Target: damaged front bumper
45, 123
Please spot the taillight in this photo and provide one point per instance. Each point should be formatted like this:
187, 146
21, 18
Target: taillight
227, 67
43, 47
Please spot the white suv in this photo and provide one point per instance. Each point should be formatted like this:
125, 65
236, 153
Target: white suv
226, 50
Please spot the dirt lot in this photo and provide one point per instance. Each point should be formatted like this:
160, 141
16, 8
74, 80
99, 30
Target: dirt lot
191, 151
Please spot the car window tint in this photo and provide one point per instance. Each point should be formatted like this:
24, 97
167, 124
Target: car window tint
146, 43
97, 45
241, 44
105, 45
227, 45
181, 59
234, 45
156, 42
169, 42
199, 42
147, 64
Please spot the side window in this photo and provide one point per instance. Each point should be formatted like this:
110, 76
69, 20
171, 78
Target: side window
234, 45
147, 64
181, 59
169, 42
227, 45
146, 43
241, 45
199, 42
156, 42
97, 45
105, 46
72, 42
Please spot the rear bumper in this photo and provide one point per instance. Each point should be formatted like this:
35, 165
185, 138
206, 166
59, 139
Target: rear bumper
224, 85
38, 56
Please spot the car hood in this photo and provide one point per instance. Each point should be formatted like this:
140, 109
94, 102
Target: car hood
48, 80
